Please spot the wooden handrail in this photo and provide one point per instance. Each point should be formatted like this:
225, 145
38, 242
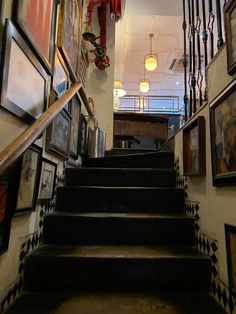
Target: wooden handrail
18, 146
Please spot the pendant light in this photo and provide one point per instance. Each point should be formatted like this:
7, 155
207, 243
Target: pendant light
118, 89
150, 60
144, 84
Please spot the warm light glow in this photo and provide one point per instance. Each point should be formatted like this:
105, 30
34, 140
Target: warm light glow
118, 89
144, 86
151, 63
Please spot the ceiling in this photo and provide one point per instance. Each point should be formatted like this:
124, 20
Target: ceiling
164, 19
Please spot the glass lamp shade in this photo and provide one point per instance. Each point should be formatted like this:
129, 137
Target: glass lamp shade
118, 89
150, 62
144, 86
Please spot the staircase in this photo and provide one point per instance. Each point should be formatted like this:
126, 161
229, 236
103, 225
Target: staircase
118, 242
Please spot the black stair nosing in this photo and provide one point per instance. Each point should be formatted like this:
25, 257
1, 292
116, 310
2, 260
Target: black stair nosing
161, 153
121, 169
119, 188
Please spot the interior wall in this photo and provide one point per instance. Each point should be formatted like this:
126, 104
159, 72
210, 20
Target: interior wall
217, 204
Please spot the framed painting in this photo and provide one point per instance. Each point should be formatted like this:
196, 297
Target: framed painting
75, 126
83, 135
223, 137
47, 179
194, 151
61, 76
28, 178
230, 238
230, 34
37, 19
8, 194
58, 135
24, 82
69, 33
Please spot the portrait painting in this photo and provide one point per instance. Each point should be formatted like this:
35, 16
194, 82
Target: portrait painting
223, 137
194, 147
47, 179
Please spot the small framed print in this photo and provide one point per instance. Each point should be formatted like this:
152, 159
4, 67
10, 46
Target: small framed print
223, 137
230, 238
47, 179
37, 20
24, 82
230, 33
75, 126
83, 135
28, 177
61, 77
194, 151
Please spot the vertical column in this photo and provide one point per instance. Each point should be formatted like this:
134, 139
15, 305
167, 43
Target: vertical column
193, 78
205, 41
190, 60
184, 26
198, 29
220, 40
211, 20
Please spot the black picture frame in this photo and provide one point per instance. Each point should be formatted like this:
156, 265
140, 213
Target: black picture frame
29, 169
37, 21
194, 148
230, 35
223, 137
24, 81
75, 109
230, 239
47, 180
83, 135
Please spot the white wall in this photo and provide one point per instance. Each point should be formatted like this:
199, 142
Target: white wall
217, 204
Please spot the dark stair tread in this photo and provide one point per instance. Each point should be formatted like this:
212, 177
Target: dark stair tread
112, 169
155, 153
118, 252
115, 303
120, 188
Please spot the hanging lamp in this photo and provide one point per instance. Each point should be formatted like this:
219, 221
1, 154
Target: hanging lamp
150, 60
118, 89
144, 84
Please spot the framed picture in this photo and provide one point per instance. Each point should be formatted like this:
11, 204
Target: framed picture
230, 238
8, 194
28, 178
58, 135
194, 151
61, 75
37, 19
223, 137
75, 126
230, 34
47, 179
24, 82
83, 135
69, 33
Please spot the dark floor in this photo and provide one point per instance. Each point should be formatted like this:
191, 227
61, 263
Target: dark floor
115, 304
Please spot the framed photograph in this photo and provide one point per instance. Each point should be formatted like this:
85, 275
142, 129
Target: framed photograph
47, 179
75, 126
8, 194
24, 82
28, 178
61, 76
37, 19
230, 34
223, 137
58, 135
83, 135
230, 238
194, 148
69, 33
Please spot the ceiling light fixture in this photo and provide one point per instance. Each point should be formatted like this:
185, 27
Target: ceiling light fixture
118, 89
150, 60
144, 84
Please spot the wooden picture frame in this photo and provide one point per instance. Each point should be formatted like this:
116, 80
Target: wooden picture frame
223, 137
24, 82
69, 34
61, 76
58, 133
194, 148
83, 135
8, 195
230, 239
29, 168
47, 179
230, 34
75, 126
37, 20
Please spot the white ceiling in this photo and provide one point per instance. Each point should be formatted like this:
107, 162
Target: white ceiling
164, 19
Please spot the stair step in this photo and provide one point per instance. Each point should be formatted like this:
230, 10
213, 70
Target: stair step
119, 199
120, 177
128, 151
115, 303
141, 160
98, 228
116, 268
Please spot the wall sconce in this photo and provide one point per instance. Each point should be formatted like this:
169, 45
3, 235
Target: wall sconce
150, 60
